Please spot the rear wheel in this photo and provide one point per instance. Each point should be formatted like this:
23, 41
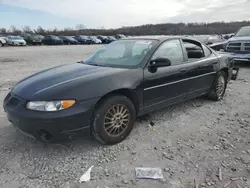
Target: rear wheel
219, 86
113, 120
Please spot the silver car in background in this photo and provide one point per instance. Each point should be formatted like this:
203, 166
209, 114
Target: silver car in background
2, 41
15, 41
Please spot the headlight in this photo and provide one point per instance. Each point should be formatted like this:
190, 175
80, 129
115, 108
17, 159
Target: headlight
50, 106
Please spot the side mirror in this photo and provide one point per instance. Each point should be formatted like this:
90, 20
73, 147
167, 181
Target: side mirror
160, 62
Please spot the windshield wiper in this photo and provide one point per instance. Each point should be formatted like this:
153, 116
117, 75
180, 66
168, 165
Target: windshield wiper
94, 64
82, 62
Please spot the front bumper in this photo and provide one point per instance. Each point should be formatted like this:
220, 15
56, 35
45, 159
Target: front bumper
240, 57
20, 44
56, 126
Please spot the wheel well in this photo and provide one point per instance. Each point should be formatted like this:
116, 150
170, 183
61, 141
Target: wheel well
225, 70
131, 95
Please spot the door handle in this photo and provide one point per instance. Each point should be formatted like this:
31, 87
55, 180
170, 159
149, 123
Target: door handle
214, 63
183, 70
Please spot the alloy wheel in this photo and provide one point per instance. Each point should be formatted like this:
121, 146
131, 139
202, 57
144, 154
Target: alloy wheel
116, 120
220, 86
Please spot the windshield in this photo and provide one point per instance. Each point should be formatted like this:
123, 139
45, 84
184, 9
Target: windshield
55, 37
83, 37
110, 37
17, 38
34, 37
243, 32
121, 54
70, 38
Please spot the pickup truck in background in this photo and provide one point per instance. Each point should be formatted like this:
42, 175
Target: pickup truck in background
238, 46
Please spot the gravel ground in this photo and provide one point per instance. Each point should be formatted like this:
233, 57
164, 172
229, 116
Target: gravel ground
198, 143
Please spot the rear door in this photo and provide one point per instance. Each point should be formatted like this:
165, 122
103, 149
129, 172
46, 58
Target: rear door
167, 84
202, 69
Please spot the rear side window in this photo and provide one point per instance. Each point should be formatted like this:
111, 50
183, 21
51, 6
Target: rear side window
207, 52
172, 50
193, 49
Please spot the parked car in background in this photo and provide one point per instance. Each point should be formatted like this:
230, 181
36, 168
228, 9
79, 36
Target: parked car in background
2, 41
52, 40
95, 40
32, 39
111, 39
228, 36
15, 41
68, 40
208, 39
104, 93
104, 39
40, 37
83, 39
120, 36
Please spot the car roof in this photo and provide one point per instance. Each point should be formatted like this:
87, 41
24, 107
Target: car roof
160, 37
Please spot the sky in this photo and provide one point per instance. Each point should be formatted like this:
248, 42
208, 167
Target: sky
118, 13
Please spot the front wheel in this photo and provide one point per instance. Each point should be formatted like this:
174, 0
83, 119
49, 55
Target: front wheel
219, 86
113, 120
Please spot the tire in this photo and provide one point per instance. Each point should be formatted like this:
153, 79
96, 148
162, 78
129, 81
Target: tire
1, 44
114, 131
219, 87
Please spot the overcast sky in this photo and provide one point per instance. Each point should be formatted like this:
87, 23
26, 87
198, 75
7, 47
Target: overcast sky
118, 13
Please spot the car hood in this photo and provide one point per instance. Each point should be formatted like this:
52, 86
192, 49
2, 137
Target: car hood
18, 40
56, 79
239, 39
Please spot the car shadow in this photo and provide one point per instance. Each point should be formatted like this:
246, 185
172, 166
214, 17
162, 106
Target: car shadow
32, 156
86, 140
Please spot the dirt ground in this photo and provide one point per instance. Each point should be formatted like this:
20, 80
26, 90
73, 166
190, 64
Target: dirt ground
199, 143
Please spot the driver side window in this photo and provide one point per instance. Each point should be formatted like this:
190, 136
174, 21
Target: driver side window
172, 50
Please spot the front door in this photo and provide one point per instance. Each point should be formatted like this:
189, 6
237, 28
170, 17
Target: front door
167, 84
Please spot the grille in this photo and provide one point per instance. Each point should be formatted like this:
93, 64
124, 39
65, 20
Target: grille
234, 46
247, 46
244, 47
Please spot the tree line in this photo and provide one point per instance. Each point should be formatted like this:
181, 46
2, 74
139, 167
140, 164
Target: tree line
149, 29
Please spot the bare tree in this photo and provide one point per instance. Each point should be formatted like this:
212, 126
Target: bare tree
80, 27
27, 29
13, 29
149, 29
40, 30
3, 30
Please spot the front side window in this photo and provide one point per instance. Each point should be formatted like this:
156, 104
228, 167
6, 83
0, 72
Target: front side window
122, 54
172, 50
